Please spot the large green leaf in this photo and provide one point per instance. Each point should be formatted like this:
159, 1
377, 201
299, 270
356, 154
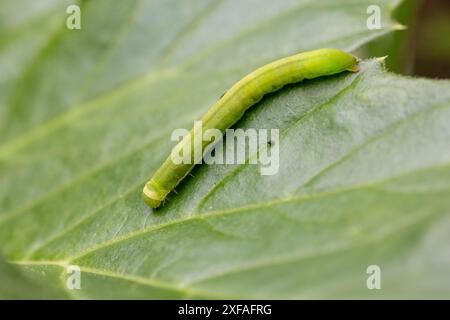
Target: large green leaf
86, 119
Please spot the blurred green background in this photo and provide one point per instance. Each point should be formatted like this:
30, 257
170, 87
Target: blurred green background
423, 49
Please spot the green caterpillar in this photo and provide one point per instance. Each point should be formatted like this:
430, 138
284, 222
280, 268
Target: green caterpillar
244, 94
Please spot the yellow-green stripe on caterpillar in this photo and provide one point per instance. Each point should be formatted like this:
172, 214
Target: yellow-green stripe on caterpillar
244, 94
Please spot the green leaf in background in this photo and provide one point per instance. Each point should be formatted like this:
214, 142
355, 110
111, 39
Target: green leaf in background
398, 45
86, 118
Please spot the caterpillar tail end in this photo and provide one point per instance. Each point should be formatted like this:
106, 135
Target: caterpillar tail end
151, 196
